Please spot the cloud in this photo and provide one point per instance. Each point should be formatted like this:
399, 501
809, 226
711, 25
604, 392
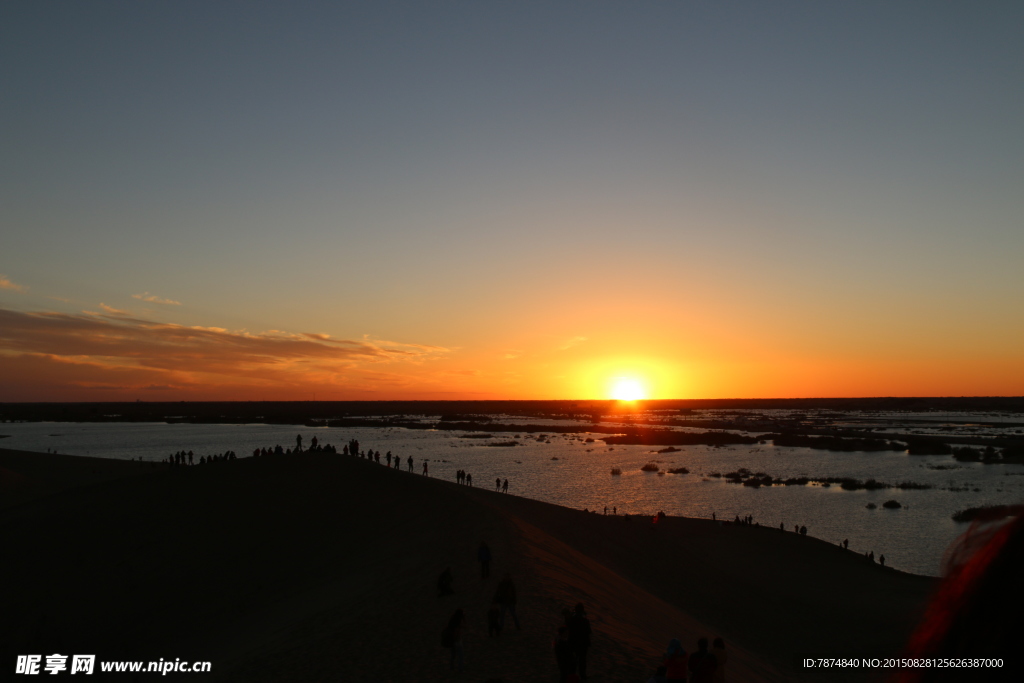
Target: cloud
5, 283
568, 344
113, 311
115, 349
154, 299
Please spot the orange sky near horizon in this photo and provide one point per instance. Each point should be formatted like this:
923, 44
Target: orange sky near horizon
103, 356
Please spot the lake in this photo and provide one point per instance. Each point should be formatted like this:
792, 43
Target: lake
568, 470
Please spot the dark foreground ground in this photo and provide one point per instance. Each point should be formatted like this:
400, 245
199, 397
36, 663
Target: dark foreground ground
321, 567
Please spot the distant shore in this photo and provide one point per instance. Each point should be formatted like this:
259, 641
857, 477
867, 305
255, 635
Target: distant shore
306, 566
297, 412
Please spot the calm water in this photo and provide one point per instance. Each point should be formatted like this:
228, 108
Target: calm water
566, 470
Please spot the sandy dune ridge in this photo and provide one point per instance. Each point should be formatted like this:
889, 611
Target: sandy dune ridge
320, 567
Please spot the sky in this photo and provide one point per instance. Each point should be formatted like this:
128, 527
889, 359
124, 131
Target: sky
515, 200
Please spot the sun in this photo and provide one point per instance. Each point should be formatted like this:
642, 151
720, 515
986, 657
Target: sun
628, 390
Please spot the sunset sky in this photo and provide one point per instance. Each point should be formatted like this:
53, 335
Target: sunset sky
384, 200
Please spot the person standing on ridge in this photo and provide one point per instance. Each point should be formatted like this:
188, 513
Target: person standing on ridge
298, 442
721, 657
579, 639
564, 656
451, 637
506, 597
675, 662
702, 664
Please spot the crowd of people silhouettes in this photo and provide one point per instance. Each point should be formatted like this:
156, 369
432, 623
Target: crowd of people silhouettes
187, 458
573, 641
703, 665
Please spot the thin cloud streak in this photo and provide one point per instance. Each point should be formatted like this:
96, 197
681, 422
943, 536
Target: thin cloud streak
5, 283
113, 311
154, 299
568, 344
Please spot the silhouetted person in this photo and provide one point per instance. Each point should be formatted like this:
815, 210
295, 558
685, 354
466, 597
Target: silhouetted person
846, 544
451, 637
444, 583
674, 662
803, 531
615, 510
409, 463
881, 560
483, 555
702, 664
190, 457
505, 596
782, 526
313, 442
871, 555
504, 487
298, 442
494, 621
497, 484
469, 479
564, 655
376, 457
606, 509
579, 638
388, 458
721, 657
425, 468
